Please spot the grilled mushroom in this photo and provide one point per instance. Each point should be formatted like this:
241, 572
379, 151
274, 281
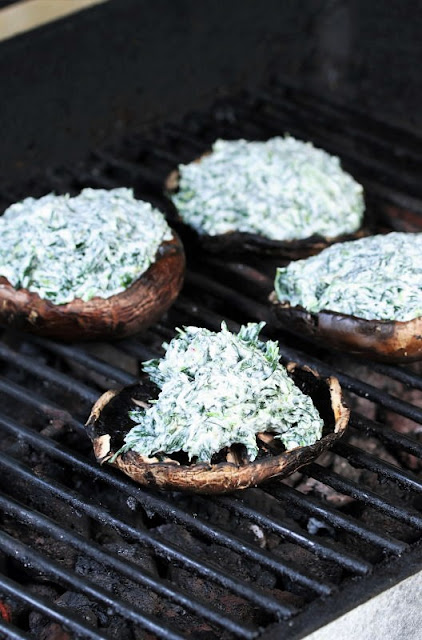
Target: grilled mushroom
101, 264
384, 340
238, 242
125, 313
109, 422
241, 242
363, 297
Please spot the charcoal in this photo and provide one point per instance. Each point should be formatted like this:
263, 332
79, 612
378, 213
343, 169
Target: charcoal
46, 545
188, 624
48, 504
17, 449
180, 536
119, 629
288, 598
38, 623
135, 553
390, 526
54, 631
205, 590
121, 586
95, 615
79, 603
232, 562
319, 568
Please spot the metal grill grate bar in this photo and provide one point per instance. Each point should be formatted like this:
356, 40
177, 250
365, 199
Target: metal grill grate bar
86, 360
380, 136
280, 568
183, 518
359, 458
335, 518
137, 349
160, 547
46, 607
30, 557
332, 142
358, 118
358, 387
11, 633
260, 312
46, 373
21, 394
134, 171
387, 435
405, 376
197, 312
321, 549
41, 523
350, 488
173, 131
251, 308
143, 163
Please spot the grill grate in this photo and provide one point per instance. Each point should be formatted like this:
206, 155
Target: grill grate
85, 548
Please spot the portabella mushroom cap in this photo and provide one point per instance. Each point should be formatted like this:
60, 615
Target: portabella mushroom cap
241, 242
123, 314
109, 422
383, 340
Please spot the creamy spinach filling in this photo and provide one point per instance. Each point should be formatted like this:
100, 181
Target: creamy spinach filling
95, 244
375, 278
282, 189
219, 389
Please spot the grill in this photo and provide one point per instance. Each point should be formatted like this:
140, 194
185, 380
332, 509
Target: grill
84, 552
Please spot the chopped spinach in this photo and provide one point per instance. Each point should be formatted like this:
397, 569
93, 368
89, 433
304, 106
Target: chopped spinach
95, 244
219, 389
282, 189
375, 278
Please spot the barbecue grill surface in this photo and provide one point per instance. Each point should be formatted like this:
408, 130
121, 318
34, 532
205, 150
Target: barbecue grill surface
83, 548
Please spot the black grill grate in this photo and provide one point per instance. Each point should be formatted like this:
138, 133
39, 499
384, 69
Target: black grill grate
270, 560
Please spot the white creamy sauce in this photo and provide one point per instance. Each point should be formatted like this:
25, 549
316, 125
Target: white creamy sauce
219, 389
375, 278
95, 244
282, 189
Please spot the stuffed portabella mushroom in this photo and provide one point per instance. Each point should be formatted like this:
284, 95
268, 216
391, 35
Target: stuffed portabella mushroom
282, 197
364, 297
217, 413
98, 265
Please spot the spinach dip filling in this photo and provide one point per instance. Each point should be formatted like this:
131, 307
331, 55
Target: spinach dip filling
282, 189
95, 244
375, 278
219, 389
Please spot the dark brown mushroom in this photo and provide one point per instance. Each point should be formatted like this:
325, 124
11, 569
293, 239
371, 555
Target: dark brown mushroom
136, 308
383, 340
109, 422
242, 242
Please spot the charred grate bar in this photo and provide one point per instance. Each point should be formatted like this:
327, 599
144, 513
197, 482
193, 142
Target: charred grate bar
84, 548
127, 569
176, 514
